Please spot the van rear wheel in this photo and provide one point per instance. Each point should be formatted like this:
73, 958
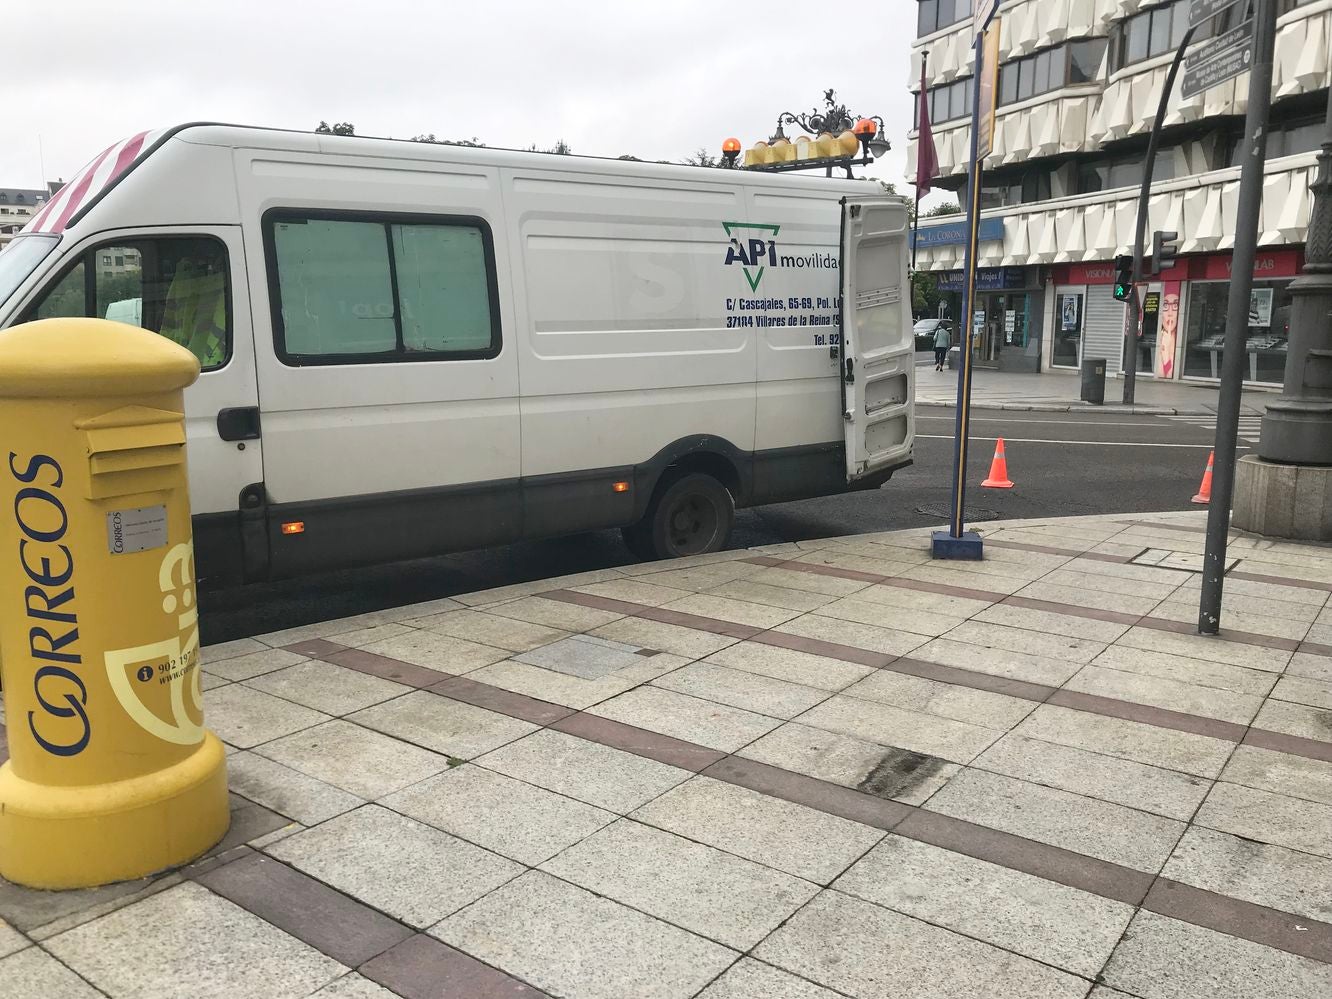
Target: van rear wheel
690, 516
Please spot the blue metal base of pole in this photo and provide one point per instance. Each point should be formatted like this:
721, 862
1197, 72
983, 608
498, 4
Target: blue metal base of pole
966, 548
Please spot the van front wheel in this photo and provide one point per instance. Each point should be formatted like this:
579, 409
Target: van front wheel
691, 516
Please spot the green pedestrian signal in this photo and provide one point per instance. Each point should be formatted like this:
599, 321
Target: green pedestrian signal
1123, 277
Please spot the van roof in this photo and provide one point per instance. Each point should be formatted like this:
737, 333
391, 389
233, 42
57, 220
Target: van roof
106, 169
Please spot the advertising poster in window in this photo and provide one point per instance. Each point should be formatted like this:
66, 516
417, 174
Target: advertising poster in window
1167, 330
1068, 313
1260, 307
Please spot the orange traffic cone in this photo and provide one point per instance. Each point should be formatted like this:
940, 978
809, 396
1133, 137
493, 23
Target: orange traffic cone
998, 469
1205, 490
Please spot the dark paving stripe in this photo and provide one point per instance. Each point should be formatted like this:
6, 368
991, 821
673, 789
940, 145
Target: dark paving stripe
834, 799
1023, 546
1053, 863
836, 571
1108, 557
730, 629
315, 648
818, 647
767, 560
1148, 714
1186, 528
1227, 634
506, 702
1313, 648
639, 741
1292, 745
594, 601
329, 921
1008, 686
1072, 610
1271, 927
946, 589
422, 967
1259, 577
383, 666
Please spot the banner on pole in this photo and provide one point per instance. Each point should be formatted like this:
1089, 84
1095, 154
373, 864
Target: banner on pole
989, 91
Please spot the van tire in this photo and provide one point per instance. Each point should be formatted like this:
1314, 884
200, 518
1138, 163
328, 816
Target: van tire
690, 515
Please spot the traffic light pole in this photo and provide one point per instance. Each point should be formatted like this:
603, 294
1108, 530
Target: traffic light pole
1144, 195
1253, 149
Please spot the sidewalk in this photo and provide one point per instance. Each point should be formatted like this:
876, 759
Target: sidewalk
823, 769
1059, 392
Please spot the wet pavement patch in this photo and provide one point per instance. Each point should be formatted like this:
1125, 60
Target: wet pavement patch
899, 772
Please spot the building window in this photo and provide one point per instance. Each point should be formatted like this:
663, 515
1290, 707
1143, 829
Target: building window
931, 15
1125, 170
182, 292
1052, 69
19, 199
948, 102
4, 198
1160, 30
356, 289
1304, 135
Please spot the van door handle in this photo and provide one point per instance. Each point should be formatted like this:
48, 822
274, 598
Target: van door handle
239, 423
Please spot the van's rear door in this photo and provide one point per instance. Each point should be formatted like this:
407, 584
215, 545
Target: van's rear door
878, 355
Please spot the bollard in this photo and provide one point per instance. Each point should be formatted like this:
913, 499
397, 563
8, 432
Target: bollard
111, 774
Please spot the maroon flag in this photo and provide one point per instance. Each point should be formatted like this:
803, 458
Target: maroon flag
927, 160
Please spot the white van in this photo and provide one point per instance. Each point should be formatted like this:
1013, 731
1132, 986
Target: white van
410, 349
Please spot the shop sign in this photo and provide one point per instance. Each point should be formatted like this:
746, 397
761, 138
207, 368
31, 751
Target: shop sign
987, 279
1269, 264
955, 233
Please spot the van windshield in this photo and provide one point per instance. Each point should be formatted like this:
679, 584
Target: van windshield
19, 259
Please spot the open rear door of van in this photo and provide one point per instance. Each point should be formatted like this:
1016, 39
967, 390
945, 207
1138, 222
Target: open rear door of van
877, 351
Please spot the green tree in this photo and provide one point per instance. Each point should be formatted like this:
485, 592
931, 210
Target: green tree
948, 208
341, 128
701, 157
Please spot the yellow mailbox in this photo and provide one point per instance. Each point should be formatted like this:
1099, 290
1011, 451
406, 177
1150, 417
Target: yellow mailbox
111, 774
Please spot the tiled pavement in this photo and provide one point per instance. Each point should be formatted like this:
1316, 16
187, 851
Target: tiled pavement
827, 769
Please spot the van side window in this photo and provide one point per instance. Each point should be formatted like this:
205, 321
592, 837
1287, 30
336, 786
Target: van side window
175, 286
356, 289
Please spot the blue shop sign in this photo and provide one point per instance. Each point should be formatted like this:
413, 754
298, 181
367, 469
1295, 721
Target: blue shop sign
987, 279
955, 233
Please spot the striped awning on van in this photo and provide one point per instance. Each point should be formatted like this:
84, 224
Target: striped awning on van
91, 181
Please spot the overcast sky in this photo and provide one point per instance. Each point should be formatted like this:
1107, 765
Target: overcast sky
657, 80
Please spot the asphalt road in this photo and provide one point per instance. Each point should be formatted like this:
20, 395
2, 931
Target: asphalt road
1063, 464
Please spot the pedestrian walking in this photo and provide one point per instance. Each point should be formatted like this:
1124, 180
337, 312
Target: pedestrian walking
941, 345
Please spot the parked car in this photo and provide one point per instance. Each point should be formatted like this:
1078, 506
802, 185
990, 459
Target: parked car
925, 330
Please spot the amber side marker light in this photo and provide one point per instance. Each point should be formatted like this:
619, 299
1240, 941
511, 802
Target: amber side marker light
294, 527
620, 487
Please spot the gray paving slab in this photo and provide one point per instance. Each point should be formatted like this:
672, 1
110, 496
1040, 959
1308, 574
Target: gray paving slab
977, 707
1269, 818
636, 591
830, 586
729, 609
374, 634
934, 604
1061, 818
1302, 690
572, 691
514, 819
254, 663
1202, 647
489, 629
1280, 773
1310, 666
1164, 958
245, 718
1259, 623
334, 690
1295, 719
750, 979
700, 575
432, 650
1199, 755
1088, 596
1015, 664
11, 940
355, 759
353, 986
1049, 624
1193, 671
687, 642
956, 741
554, 613
35, 974
740, 689
706, 723
780, 834
1040, 919
286, 791
1256, 872
785, 597
922, 622
442, 724
230, 650
865, 950
1124, 782
599, 775
412, 871
717, 895
1078, 579
873, 638
883, 771
578, 657
570, 942
213, 948
1173, 695
791, 665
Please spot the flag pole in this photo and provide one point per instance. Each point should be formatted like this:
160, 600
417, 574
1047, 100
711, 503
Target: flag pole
915, 219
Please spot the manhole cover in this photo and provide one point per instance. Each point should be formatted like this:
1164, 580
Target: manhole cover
971, 514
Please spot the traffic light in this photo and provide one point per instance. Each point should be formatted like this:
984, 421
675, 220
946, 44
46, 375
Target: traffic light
1123, 277
1163, 251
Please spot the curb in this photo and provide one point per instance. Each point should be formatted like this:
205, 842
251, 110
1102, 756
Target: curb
1073, 407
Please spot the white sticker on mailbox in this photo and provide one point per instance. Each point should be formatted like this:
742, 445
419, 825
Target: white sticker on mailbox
136, 530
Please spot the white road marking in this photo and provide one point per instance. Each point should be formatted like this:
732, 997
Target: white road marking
1063, 423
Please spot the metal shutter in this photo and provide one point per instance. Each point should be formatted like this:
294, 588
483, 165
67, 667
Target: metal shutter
1103, 327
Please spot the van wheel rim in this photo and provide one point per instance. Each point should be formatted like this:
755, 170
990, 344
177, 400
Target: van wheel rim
692, 525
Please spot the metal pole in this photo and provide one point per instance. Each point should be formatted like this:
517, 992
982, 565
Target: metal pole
962, 424
915, 219
1254, 151
1139, 235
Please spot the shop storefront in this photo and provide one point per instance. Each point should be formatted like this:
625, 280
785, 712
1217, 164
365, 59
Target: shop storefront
1007, 316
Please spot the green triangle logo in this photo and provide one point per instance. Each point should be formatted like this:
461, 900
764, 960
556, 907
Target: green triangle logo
731, 227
